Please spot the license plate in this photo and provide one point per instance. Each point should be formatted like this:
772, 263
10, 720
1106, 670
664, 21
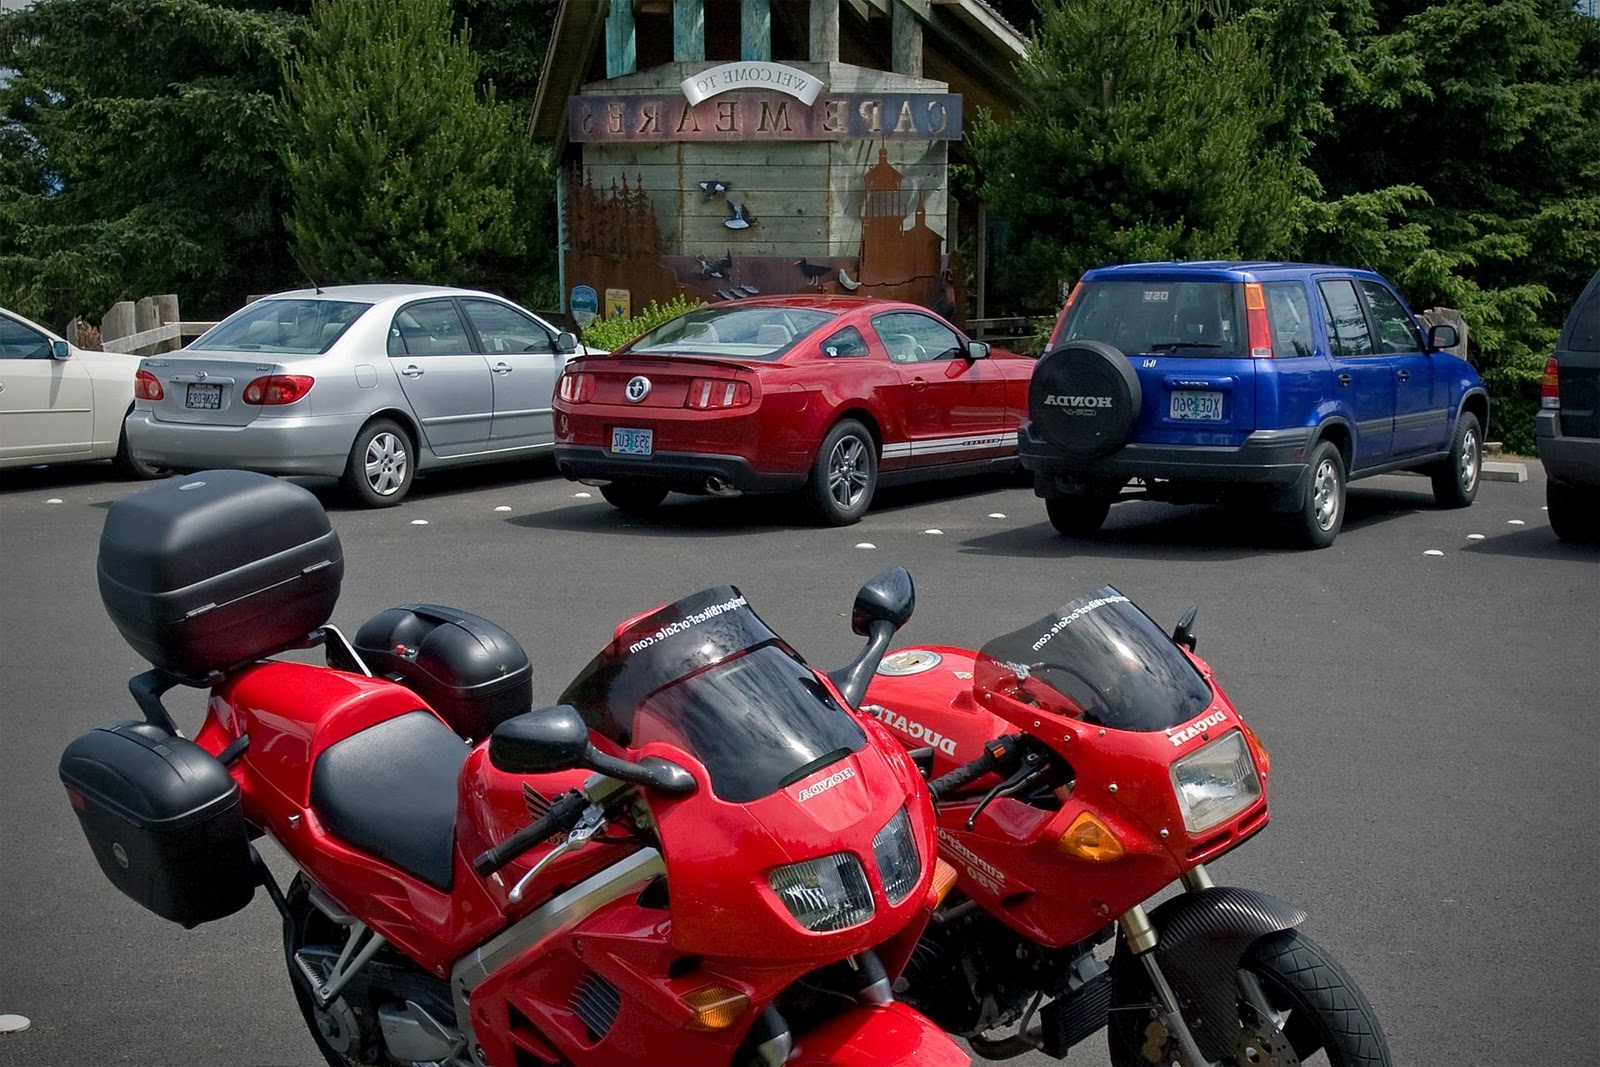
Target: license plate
632, 442
208, 397
1206, 406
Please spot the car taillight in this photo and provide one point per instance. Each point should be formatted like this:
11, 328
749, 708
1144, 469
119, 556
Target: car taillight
1550, 386
710, 394
147, 386
277, 389
1255, 314
577, 388
1066, 309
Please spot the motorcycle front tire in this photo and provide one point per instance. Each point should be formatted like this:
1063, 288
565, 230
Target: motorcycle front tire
1327, 1010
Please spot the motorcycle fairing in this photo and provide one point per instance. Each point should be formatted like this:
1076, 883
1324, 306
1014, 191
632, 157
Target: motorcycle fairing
878, 1035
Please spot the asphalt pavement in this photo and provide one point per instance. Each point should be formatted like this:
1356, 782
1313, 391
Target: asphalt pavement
1427, 688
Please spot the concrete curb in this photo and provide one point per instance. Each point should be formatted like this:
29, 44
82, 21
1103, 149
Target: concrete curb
1495, 470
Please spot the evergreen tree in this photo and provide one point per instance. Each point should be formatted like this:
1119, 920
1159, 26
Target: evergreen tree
399, 166
1154, 130
511, 36
137, 153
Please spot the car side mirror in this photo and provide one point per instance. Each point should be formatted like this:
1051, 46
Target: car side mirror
886, 597
978, 349
551, 739
1442, 335
60, 350
566, 341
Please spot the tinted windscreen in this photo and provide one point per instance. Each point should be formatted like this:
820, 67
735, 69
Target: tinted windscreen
1194, 318
283, 327
764, 333
1099, 659
707, 675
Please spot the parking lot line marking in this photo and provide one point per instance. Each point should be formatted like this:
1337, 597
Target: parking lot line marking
55, 500
419, 522
1515, 522
997, 514
503, 507
13, 1024
936, 533
1475, 537
865, 544
1433, 552
582, 496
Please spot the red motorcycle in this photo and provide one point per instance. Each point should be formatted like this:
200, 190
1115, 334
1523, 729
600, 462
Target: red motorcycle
1085, 763
700, 857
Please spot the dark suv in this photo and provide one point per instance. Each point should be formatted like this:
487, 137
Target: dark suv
1568, 423
1277, 382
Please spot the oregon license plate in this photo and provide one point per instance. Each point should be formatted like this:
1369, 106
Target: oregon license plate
626, 442
206, 397
1204, 406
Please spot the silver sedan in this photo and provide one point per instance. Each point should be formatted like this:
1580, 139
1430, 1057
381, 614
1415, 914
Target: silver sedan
367, 383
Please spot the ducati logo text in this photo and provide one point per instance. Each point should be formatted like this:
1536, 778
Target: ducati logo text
913, 729
1189, 733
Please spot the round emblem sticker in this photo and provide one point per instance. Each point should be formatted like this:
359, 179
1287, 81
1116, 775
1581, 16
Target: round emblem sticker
637, 389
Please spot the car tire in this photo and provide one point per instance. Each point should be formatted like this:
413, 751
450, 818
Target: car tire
1102, 378
1455, 481
1574, 512
131, 466
1321, 514
381, 466
1077, 516
844, 474
633, 498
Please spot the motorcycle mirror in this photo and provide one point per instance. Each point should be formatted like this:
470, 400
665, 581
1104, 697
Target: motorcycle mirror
1183, 634
888, 597
550, 739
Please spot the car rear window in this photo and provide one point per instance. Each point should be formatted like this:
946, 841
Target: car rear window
1583, 331
283, 327
764, 333
1289, 313
1196, 318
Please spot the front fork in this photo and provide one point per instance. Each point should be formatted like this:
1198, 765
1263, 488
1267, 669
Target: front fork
1141, 937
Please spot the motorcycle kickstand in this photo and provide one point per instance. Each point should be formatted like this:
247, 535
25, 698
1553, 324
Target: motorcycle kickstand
1141, 938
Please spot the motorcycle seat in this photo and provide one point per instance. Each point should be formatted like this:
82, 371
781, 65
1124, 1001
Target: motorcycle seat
391, 790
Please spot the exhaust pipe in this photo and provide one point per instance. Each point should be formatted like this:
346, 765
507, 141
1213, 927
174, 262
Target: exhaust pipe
718, 486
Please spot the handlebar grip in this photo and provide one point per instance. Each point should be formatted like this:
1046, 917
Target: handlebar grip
563, 815
998, 754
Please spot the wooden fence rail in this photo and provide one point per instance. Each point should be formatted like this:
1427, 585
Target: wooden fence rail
138, 327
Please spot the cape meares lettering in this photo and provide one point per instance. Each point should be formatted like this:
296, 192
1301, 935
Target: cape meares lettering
774, 116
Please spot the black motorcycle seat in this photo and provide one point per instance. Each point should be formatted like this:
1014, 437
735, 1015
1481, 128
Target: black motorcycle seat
391, 790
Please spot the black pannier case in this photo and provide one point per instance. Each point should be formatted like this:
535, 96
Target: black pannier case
222, 567
469, 670
162, 816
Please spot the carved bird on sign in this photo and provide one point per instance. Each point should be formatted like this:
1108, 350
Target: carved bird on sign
724, 294
747, 290
741, 220
814, 272
848, 282
714, 187
715, 268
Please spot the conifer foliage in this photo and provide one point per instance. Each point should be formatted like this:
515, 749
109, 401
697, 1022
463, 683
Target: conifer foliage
399, 166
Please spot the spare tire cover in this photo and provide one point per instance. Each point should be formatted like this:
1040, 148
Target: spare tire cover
1084, 398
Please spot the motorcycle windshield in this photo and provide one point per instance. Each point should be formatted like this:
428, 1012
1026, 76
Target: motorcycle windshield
1099, 659
707, 675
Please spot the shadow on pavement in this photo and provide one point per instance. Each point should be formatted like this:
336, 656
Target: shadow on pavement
1537, 542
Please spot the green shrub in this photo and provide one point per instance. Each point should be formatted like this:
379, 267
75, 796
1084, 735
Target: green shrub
612, 334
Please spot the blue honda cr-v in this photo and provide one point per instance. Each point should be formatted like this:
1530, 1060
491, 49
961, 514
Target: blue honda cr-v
1283, 381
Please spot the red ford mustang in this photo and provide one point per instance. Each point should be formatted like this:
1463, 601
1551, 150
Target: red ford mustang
832, 394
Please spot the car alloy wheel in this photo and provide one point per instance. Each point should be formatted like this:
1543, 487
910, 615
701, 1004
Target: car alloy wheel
1325, 487
386, 464
1467, 473
847, 472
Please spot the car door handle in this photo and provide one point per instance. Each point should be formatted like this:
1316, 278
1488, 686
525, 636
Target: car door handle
412, 371
1344, 379
919, 383
1404, 376
501, 368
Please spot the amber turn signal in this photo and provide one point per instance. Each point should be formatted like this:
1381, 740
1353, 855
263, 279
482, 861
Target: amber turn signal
944, 880
715, 1007
1266, 760
1090, 839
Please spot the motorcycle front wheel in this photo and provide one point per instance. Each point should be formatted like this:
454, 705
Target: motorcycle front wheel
1316, 1006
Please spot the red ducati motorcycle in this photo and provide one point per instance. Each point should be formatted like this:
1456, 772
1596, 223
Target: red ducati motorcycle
700, 857
1085, 763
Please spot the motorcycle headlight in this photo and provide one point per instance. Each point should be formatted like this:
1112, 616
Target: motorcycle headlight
825, 894
1216, 783
896, 852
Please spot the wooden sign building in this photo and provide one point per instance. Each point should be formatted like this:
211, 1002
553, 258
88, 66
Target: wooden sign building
724, 148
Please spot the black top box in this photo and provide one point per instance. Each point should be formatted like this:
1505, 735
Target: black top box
205, 572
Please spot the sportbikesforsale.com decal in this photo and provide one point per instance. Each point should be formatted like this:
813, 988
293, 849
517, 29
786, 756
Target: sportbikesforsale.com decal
692, 619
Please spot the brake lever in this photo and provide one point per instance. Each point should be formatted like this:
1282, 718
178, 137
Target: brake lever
591, 822
1031, 764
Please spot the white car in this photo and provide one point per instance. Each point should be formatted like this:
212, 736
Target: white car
60, 403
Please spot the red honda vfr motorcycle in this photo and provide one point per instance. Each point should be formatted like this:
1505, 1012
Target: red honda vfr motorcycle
700, 857
1085, 763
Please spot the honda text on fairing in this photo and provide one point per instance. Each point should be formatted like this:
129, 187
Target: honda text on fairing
1085, 763
700, 856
